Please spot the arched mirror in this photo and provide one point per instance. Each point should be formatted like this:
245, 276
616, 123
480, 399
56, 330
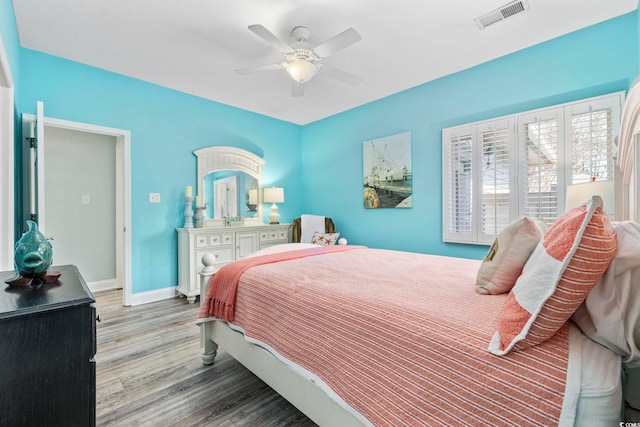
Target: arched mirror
230, 184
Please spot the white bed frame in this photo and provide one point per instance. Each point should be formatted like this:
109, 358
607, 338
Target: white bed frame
628, 158
299, 391
306, 395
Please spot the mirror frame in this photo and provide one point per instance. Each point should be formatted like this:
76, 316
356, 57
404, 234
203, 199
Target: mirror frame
211, 159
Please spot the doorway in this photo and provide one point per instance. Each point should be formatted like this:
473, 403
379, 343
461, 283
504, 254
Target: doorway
80, 203
83, 192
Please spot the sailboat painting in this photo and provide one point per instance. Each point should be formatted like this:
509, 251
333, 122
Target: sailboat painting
387, 172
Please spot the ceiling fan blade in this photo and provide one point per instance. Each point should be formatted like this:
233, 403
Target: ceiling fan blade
271, 38
342, 40
297, 89
259, 69
343, 76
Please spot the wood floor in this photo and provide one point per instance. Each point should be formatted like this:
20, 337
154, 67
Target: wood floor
149, 373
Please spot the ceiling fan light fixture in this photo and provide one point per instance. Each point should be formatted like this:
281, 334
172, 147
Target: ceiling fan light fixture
301, 70
303, 61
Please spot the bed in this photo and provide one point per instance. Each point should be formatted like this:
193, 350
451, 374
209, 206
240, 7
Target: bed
358, 336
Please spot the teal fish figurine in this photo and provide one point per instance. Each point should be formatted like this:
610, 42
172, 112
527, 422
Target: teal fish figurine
33, 256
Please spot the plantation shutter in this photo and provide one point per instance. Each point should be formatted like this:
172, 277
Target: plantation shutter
496, 171
540, 185
497, 140
591, 134
458, 180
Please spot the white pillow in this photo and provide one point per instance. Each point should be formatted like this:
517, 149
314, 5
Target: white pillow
508, 254
611, 313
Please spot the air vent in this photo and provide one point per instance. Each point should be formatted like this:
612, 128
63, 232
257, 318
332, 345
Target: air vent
502, 13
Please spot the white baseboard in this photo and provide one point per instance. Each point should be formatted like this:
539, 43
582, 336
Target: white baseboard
102, 285
152, 296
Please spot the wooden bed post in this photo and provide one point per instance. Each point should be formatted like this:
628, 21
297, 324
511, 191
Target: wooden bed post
208, 348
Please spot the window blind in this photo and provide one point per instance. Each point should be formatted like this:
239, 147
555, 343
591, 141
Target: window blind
539, 177
591, 145
499, 170
495, 191
458, 184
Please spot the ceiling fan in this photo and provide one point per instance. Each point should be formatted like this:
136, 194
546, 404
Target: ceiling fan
303, 62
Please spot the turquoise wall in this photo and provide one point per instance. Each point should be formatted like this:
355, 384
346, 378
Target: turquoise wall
319, 165
166, 127
594, 61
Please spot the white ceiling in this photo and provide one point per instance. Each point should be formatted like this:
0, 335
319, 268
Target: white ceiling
194, 46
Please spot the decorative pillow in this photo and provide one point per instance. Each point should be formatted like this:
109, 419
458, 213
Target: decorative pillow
324, 238
508, 254
611, 313
564, 267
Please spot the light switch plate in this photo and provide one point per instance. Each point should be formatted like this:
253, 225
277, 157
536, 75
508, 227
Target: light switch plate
86, 199
154, 197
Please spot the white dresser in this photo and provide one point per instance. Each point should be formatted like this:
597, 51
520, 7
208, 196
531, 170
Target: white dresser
227, 243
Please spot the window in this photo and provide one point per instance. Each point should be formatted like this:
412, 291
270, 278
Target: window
459, 206
499, 170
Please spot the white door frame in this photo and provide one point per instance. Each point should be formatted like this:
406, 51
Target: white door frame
123, 193
7, 144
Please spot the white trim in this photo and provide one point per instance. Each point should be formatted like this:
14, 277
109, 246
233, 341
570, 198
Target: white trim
102, 285
39, 173
6, 79
7, 181
123, 192
153, 296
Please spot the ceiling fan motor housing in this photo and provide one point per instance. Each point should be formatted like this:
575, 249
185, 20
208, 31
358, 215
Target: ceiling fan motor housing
300, 33
303, 55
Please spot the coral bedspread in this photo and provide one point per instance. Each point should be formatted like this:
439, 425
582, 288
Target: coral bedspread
401, 338
221, 299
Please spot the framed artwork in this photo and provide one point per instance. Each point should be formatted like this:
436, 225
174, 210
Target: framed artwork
387, 172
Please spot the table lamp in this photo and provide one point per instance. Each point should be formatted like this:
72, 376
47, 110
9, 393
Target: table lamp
577, 194
274, 195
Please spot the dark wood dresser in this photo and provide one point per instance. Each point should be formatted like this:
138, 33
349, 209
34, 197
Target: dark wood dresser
47, 348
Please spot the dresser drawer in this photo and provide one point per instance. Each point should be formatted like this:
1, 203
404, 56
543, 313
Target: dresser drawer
227, 238
215, 239
270, 236
202, 241
224, 255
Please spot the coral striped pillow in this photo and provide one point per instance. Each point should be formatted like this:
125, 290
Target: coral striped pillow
564, 267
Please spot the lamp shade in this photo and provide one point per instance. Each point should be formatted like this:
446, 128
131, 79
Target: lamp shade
274, 195
577, 194
301, 70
